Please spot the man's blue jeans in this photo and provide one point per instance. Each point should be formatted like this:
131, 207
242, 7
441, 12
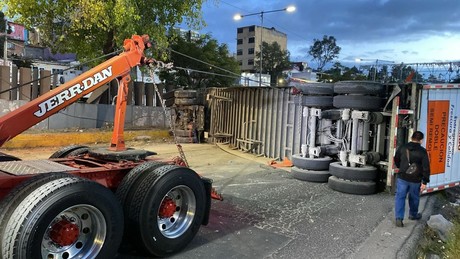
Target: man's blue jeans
403, 188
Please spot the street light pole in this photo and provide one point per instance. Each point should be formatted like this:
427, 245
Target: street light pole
288, 9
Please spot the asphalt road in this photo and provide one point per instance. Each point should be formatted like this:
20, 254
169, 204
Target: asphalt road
268, 214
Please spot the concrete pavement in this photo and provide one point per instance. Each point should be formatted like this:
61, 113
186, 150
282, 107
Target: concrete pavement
268, 214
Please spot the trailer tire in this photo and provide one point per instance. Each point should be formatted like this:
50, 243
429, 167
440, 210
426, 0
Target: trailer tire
351, 187
317, 101
307, 163
310, 175
78, 151
63, 219
168, 208
15, 196
314, 88
358, 102
364, 173
133, 178
358, 87
63, 152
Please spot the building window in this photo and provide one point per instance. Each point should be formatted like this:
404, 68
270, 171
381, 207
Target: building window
239, 41
250, 62
240, 62
252, 28
239, 52
251, 40
251, 51
240, 30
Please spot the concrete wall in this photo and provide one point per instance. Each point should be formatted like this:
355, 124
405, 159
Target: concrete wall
85, 116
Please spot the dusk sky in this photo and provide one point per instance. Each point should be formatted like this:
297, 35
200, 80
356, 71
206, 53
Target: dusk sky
393, 30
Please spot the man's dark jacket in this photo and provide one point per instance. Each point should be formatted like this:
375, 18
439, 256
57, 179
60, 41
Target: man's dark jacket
418, 155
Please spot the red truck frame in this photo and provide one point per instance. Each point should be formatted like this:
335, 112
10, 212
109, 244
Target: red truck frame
82, 201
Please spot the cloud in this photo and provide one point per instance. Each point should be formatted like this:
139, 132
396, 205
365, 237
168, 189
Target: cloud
361, 27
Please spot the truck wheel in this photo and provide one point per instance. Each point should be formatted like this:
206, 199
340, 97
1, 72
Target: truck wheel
319, 164
358, 102
310, 175
168, 208
64, 218
65, 151
364, 173
317, 101
15, 196
125, 188
314, 88
78, 151
351, 187
358, 87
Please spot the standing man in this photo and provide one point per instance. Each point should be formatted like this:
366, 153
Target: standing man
412, 184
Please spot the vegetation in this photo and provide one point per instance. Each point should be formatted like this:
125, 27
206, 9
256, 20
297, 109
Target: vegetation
452, 248
274, 60
90, 28
324, 51
195, 74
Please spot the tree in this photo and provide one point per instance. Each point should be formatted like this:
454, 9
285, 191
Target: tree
207, 50
338, 72
3, 28
400, 72
323, 51
274, 60
90, 28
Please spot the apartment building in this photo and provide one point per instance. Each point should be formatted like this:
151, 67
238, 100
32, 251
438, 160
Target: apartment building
248, 43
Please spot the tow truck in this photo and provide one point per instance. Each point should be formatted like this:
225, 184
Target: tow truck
82, 201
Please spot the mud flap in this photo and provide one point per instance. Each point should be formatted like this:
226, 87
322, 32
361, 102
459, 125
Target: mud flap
208, 187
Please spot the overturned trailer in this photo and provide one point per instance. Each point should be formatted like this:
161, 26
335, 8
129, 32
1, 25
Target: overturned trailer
344, 133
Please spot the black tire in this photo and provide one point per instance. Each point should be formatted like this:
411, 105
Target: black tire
78, 151
359, 87
61, 153
11, 201
135, 176
5, 157
318, 164
351, 187
42, 222
310, 175
364, 173
313, 88
167, 186
358, 102
317, 101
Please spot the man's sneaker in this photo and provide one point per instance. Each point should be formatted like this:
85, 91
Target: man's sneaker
416, 217
399, 223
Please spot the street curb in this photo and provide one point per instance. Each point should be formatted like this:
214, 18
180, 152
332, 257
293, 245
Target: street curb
389, 241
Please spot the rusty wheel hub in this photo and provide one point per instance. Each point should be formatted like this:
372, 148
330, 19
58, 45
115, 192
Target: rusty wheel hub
64, 232
167, 208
